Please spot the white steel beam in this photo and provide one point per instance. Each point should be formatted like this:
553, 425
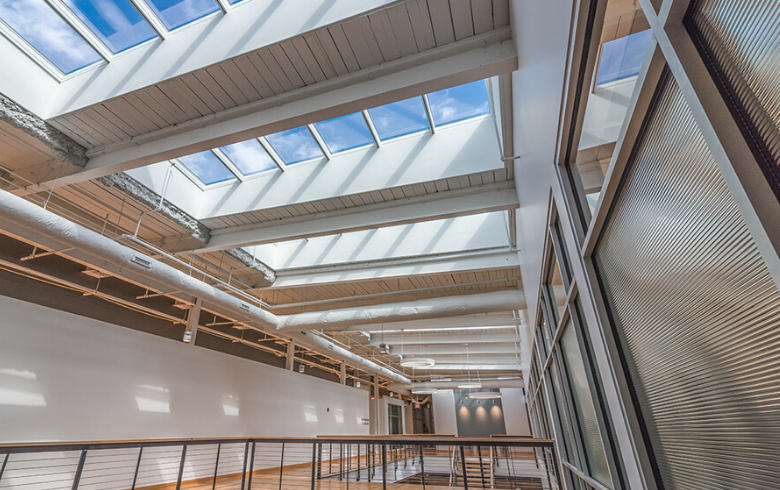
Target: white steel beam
472, 59
442, 205
464, 321
474, 348
400, 267
444, 338
407, 310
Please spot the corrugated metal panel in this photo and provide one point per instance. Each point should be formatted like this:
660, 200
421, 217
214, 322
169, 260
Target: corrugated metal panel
740, 39
695, 312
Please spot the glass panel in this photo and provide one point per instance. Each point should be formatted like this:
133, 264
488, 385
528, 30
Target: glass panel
207, 167
295, 145
586, 411
345, 132
176, 13
559, 405
45, 30
117, 23
623, 45
250, 157
622, 58
556, 288
459, 103
399, 118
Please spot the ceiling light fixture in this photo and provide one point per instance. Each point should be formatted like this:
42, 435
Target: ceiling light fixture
424, 391
485, 395
469, 384
418, 362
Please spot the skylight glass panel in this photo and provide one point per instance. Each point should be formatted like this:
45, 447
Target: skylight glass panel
250, 157
116, 22
207, 167
459, 103
345, 132
45, 30
295, 145
399, 118
176, 13
622, 58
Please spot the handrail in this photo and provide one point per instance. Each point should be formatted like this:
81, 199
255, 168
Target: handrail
428, 440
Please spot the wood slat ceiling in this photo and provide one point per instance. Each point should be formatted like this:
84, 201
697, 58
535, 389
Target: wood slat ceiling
354, 200
400, 30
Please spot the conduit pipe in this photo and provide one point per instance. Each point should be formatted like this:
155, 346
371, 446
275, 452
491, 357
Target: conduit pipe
451, 385
31, 217
409, 310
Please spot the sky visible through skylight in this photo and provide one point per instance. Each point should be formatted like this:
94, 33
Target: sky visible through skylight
622, 58
345, 132
399, 118
341, 134
207, 167
116, 22
176, 13
295, 145
459, 103
249, 157
45, 30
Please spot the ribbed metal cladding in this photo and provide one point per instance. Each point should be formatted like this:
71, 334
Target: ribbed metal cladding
695, 312
740, 39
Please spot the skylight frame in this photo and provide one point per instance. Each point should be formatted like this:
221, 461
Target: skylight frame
429, 128
233, 167
183, 168
375, 141
319, 144
92, 39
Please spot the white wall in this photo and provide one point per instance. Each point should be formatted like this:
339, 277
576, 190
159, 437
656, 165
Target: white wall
444, 413
67, 378
515, 412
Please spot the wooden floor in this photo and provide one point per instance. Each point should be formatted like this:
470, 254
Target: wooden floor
401, 478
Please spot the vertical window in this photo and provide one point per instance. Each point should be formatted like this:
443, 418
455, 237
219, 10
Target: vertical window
624, 40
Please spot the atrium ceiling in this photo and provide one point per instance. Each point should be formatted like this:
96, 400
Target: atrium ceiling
358, 157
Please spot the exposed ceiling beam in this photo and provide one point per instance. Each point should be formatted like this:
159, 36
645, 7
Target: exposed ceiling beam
463, 321
453, 349
400, 267
408, 310
448, 360
441, 205
465, 367
445, 339
471, 59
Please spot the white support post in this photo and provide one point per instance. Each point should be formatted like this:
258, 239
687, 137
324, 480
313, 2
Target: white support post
192, 322
291, 355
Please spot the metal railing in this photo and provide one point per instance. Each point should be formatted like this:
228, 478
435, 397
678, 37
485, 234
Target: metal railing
281, 463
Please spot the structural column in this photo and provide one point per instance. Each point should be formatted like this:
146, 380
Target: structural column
291, 355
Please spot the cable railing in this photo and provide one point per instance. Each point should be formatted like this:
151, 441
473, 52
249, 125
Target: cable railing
322, 463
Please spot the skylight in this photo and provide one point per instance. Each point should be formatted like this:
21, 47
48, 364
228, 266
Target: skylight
399, 118
249, 157
295, 145
345, 132
117, 22
459, 103
176, 13
622, 58
207, 167
45, 31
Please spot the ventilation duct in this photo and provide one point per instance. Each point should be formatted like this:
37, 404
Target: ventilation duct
30, 217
